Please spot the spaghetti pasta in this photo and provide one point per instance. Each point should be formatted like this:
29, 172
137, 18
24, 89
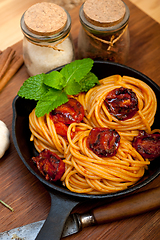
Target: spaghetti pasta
44, 135
92, 174
86, 172
97, 115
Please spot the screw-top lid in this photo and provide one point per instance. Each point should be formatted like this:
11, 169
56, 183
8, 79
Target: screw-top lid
104, 13
45, 18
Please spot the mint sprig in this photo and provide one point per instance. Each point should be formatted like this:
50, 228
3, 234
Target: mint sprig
51, 100
52, 90
33, 87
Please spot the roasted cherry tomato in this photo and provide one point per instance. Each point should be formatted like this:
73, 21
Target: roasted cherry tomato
148, 145
50, 165
61, 128
67, 113
103, 141
122, 103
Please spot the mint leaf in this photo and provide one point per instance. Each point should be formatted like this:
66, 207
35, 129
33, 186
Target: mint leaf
89, 81
51, 100
55, 80
51, 90
77, 70
33, 87
72, 87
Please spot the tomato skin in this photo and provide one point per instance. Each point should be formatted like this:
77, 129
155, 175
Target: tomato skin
148, 145
50, 165
61, 128
103, 141
122, 103
67, 113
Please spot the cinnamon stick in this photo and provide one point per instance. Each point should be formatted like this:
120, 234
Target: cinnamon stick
13, 68
4, 56
5, 60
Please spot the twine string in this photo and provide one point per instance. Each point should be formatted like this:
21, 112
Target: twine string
50, 46
112, 41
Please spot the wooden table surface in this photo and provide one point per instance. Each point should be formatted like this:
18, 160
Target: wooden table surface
29, 198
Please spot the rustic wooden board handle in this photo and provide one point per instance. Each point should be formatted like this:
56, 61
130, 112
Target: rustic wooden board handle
130, 206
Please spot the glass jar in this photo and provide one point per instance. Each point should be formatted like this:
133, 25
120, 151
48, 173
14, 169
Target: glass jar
106, 39
47, 43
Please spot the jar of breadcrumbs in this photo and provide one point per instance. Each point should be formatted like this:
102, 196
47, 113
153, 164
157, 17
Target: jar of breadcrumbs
104, 33
47, 42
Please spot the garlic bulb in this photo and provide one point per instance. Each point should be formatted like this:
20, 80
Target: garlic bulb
4, 138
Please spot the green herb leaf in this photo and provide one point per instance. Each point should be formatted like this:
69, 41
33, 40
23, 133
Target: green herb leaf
89, 81
55, 80
51, 90
72, 87
33, 87
50, 101
6, 205
77, 70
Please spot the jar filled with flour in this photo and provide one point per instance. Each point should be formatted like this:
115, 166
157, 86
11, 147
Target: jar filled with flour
47, 42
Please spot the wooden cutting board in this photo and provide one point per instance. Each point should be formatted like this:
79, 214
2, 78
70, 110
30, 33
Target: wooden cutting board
20, 189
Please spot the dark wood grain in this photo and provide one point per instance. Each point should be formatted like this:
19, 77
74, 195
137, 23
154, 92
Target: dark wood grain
29, 198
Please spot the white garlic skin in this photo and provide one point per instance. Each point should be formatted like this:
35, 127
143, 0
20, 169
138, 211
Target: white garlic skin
4, 138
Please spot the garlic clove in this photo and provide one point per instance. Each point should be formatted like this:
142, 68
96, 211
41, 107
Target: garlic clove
4, 138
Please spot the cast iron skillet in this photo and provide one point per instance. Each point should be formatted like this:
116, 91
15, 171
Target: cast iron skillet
63, 200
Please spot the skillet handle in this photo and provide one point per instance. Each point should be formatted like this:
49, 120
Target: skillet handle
61, 207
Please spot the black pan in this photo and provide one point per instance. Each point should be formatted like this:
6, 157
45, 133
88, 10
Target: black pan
63, 200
